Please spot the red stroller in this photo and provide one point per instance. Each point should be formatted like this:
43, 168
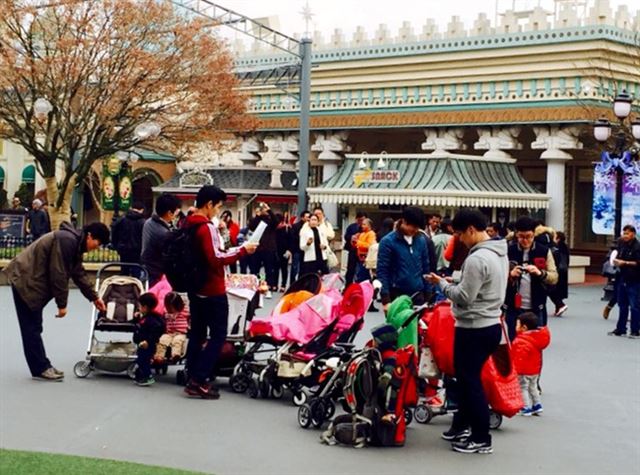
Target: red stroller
499, 377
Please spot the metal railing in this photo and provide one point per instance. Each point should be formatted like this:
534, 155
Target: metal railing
11, 246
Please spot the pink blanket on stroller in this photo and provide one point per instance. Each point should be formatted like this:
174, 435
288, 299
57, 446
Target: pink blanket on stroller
302, 323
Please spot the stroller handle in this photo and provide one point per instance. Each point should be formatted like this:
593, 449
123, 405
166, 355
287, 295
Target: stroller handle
416, 312
144, 274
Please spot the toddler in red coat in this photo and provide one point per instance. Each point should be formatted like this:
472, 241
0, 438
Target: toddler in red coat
527, 357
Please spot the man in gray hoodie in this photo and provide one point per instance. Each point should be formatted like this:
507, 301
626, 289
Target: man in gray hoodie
477, 301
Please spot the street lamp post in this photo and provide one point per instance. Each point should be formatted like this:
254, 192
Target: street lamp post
144, 131
621, 157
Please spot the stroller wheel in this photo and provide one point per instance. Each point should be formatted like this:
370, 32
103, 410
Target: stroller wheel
304, 416
318, 412
300, 397
131, 370
265, 389
239, 383
82, 369
329, 409
408, 416
253, 390
277, 392
495, 420
423, 414
181, 377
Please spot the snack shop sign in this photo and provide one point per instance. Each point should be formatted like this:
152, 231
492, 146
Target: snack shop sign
376, 176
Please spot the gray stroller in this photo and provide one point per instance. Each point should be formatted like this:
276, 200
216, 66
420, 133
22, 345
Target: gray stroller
111, 348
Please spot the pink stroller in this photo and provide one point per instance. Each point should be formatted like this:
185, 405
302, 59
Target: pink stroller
304, 336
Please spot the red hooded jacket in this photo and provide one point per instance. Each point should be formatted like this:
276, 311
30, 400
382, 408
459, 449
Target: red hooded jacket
208, 239
527, 350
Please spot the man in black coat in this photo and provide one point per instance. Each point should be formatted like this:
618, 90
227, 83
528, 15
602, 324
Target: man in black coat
294, 245
126, 234
267, 252
349, 234
628, 287
38, 220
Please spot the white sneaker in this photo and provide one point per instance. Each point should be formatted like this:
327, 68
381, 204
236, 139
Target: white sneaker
268, 295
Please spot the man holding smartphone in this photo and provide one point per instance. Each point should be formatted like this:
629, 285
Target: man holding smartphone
477, 307
532, 270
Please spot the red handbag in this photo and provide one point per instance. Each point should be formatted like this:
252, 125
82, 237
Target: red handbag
500, 381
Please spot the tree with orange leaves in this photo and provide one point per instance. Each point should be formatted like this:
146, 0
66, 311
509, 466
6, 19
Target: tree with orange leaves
82, 80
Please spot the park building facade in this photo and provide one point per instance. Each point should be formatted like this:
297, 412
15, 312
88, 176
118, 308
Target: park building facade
498, 117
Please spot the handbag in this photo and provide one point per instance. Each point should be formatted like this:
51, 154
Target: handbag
332, 259
427, 367
500, 380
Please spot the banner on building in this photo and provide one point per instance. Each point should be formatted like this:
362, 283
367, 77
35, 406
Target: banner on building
117, 185
631, 196
604, 193
604, 200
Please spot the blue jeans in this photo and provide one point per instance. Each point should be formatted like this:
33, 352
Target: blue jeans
362, 273
295, 267
628, 298
209, 317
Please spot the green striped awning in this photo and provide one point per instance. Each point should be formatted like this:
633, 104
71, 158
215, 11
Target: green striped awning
437, 179
29, 174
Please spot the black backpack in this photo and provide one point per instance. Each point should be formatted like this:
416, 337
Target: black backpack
183, 261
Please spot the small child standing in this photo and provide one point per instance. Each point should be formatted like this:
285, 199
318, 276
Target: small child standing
177, 322
149, 327
527, 357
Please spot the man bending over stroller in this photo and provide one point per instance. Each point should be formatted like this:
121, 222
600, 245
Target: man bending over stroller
149, 328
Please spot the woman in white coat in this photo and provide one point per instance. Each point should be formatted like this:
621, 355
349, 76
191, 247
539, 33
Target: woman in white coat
314, 245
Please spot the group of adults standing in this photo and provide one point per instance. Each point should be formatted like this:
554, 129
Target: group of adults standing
38, 223
305, 245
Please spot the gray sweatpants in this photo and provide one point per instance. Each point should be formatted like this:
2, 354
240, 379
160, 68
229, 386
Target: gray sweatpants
529, 387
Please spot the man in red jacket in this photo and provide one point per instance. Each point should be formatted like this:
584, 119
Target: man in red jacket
527, 358
209, 306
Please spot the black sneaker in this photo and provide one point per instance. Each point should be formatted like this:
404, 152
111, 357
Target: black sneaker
616, 332
456, 435
634, 335
471, 447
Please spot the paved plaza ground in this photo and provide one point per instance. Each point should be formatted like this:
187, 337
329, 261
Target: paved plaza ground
591, 423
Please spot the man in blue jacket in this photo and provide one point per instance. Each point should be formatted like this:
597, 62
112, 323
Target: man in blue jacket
403, 259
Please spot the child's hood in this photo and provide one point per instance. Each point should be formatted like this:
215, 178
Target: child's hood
540, 337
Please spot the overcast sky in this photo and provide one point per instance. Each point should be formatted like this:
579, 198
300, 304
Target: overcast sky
348, 14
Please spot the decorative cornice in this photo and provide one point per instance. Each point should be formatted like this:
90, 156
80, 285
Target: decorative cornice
568, 114
512, 93
447, 45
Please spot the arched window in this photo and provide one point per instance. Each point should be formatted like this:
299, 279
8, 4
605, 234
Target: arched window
29, 174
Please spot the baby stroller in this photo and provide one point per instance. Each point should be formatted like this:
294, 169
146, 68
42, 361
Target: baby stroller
300, 368
379, 385
244, 299
120, 294
259, 334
